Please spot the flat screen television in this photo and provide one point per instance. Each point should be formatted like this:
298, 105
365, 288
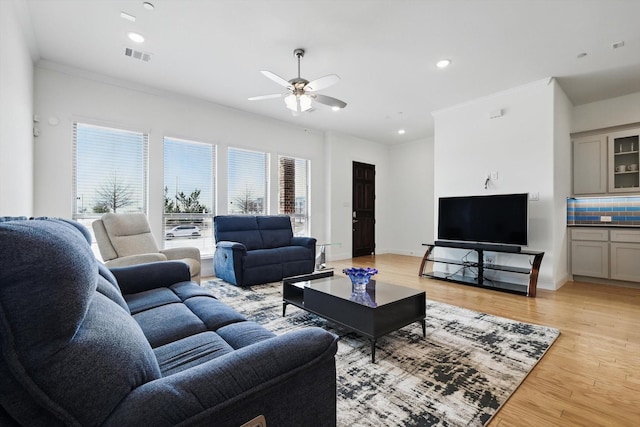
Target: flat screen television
495, 219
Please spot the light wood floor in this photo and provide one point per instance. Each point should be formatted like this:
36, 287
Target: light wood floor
591, 374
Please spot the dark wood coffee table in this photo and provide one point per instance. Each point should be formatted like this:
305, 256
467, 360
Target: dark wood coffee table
384, 308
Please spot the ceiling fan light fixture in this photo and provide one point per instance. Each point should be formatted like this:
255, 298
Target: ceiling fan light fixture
336, 108
298, 103
305, 102
291, 102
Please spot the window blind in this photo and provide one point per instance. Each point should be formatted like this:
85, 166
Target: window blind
248, 181
109, 170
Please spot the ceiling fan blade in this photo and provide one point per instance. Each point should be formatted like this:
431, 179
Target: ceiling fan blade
260, 97
276, 78
327, 100
322, 82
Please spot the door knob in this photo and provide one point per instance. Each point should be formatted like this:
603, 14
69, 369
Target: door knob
354, 221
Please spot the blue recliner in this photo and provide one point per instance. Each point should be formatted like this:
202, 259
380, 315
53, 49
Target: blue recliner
260, 249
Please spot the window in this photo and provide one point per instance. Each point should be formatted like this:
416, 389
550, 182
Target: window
110, 172
293, 188
248, 182
189, 194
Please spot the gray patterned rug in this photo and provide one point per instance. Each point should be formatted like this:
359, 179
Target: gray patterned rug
459, 375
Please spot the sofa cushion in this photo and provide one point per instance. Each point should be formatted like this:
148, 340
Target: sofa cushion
275, 230
213, 313
160, 332
294, 253
261, 257
146, 300
191, 351
236, 228
242, 334
108, 286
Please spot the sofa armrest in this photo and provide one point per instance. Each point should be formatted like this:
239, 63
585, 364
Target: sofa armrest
235, 246
143, 277
180, 253
135, 260
307, 242
227, 261
266, 378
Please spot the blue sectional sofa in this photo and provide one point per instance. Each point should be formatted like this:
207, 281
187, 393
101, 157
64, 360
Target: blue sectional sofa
260, 249
81, 345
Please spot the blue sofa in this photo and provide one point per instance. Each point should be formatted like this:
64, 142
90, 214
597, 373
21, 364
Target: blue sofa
82, 345
260, 249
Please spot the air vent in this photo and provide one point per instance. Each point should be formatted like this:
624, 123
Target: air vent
136, 54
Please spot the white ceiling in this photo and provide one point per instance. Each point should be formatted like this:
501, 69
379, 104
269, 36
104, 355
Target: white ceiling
384, 51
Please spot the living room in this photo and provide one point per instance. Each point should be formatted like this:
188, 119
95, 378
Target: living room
535, 114
528, 145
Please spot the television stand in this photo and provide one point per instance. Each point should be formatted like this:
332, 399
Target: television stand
480, 280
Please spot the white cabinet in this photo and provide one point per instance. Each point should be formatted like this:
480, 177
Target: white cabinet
607, 163
606, 253
590, 165
590, 252
624, 161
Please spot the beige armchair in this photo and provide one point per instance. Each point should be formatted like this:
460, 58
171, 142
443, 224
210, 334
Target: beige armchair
126, 239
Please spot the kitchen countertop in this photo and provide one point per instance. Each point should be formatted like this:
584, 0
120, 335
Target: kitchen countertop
605, 225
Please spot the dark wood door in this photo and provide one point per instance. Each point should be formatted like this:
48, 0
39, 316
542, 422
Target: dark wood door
363, 215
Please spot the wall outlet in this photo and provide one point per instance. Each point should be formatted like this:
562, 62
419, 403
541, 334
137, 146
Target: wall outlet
605, 219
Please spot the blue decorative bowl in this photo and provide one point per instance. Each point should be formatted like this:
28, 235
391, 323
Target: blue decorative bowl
363, 298
360, 277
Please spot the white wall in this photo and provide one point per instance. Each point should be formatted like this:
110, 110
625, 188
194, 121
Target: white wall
16, 116
71, 95
342, 151
562, 181
519, 147
621, 110
411, 196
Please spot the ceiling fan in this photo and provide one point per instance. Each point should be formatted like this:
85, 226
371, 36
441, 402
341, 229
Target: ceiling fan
302, 92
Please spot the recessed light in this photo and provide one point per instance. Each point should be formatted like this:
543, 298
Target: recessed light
148, 6
136, 37
443, 63
335, 108
401, 131
127, 16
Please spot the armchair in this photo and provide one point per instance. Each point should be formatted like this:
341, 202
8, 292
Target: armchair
126, 239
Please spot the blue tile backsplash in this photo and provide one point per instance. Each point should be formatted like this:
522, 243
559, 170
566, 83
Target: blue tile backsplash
624, 211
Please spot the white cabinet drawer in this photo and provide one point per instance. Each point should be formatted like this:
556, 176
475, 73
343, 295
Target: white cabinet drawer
593, 234
630, 236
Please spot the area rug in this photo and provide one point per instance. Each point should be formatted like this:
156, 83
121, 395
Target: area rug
459, 375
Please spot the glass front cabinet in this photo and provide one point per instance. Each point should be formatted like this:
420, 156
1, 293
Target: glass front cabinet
624, 160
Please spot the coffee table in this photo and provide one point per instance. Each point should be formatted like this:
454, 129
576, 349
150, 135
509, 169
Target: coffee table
382, 309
